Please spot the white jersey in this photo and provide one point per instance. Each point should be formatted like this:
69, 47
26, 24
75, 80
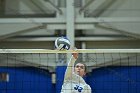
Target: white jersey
74, 83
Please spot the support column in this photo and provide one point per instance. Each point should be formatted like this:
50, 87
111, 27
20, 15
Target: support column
70, 26
83, 54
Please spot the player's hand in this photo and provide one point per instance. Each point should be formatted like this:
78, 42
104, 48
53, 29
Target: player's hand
75, 55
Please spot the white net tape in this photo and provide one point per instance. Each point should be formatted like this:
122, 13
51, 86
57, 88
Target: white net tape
70, 51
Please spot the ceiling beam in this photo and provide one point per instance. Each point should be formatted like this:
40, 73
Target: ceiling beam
103, 38
56, 7
123, 32
63, 20
82, 9
99, 7
3, 37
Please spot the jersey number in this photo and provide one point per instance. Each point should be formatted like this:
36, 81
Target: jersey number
78, 88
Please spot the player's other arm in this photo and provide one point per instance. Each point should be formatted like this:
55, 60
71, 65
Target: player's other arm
70, 66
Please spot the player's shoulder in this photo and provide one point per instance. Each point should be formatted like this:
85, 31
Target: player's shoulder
87, 87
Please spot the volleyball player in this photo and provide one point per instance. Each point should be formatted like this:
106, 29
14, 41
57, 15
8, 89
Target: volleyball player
73, 80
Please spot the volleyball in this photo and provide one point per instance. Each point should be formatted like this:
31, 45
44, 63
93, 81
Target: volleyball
62, 43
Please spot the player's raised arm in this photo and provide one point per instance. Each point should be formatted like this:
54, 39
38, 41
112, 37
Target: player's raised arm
70, 66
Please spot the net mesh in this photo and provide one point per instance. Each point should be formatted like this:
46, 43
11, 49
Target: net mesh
53, 58
114, 66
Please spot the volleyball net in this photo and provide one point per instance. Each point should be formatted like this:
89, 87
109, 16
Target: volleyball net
50, 59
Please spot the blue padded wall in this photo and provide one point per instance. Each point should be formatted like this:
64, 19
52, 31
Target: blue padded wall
26, 80
115, 80
60, 71
102, 80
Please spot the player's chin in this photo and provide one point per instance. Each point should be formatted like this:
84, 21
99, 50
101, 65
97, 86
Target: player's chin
78, 73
